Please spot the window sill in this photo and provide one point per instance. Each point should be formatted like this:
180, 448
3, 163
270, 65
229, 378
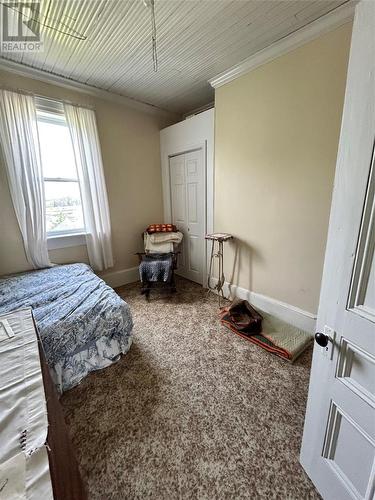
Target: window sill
66, 241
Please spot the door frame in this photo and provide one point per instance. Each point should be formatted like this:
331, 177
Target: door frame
207, 190
202, 147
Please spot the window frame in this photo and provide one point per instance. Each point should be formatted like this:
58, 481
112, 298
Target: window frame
67, 237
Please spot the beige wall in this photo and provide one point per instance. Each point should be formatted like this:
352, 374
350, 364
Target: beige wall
276, 139
131, 157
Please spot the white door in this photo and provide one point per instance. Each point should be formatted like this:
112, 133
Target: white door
338, 447
188, 211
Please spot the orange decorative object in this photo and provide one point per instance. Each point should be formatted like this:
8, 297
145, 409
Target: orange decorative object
161, 228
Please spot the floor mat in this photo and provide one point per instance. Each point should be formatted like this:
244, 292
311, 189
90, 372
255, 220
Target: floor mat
277, 336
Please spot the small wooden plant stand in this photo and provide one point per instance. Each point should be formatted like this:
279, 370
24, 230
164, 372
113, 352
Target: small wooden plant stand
217, 251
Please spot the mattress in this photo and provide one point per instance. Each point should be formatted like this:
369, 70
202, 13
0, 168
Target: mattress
83, 324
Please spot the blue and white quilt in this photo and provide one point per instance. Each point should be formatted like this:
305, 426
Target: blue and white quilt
83, 324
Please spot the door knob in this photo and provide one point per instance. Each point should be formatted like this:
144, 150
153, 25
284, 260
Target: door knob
322, 339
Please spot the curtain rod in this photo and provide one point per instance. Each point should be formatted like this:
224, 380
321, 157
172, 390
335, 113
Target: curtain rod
28, 92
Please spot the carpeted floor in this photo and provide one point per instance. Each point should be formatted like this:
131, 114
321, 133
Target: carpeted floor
191, 412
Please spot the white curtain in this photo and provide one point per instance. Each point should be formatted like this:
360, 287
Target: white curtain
84, 134
20, 144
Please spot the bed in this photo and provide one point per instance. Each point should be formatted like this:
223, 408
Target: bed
83, 324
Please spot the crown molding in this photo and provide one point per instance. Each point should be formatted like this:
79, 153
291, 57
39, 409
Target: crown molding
201, 109
324, 24
37, 74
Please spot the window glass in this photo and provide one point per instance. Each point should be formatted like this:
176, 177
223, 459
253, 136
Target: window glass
56, 150
64, 213
63, 206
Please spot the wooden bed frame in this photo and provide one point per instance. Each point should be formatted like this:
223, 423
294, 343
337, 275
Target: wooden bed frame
66, 479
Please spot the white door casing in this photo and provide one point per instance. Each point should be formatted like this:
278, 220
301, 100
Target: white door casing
338, 448
188, 211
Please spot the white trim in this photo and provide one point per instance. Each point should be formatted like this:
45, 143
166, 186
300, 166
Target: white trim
37, 74
121, 277
290, 314
311, 31
66, 241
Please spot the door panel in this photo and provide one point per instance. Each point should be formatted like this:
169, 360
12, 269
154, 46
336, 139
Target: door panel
178, 191
362, 293
338, 448
178, 202
349, 451
188, 211
356, 370
195, 254
369, 300
192, 188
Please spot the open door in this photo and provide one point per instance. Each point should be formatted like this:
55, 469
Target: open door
338, 447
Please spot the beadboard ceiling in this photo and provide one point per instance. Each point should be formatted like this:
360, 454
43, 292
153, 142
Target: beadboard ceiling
197, 39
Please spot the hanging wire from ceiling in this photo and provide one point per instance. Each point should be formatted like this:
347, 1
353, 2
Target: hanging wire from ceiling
69, 31
150, 4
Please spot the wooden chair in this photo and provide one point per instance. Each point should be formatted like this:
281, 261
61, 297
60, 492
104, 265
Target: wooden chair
170, 285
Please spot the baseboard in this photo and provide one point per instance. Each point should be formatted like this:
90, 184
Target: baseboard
291, 314
121, 277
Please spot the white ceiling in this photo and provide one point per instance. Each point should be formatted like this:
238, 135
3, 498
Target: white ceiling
197, 39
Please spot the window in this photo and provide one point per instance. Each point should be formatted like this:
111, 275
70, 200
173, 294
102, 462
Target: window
64, 215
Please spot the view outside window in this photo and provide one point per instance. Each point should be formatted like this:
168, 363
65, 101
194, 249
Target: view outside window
62, 192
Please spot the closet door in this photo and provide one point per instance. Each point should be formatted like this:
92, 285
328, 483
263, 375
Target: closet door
188, 211
195, 208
